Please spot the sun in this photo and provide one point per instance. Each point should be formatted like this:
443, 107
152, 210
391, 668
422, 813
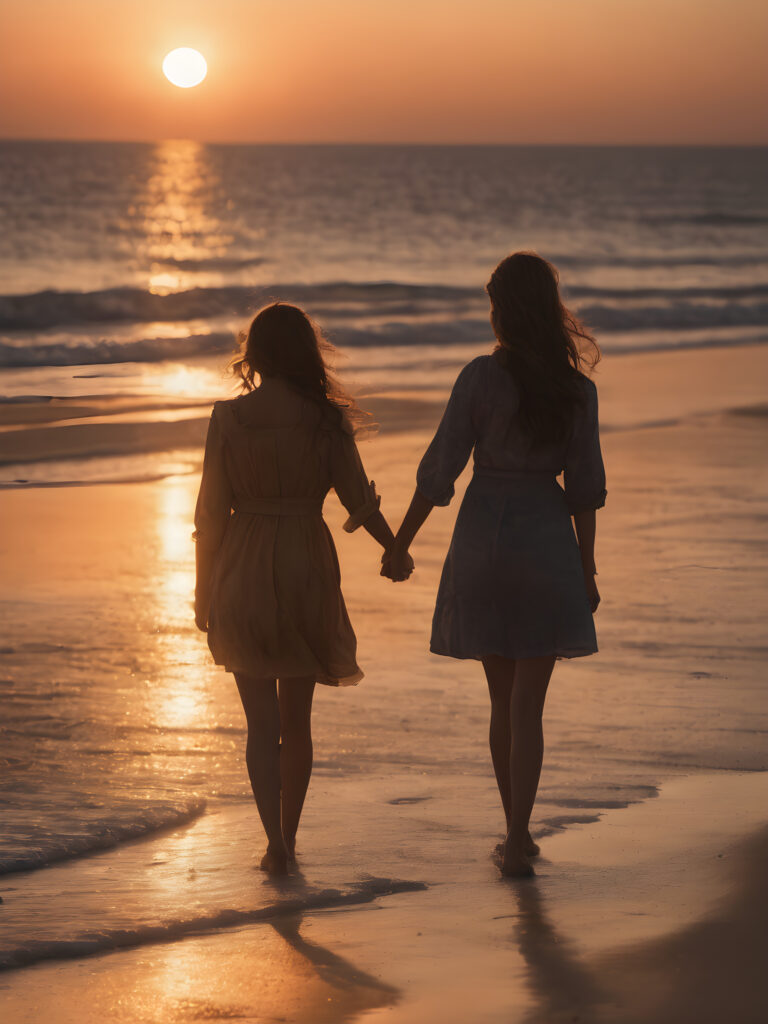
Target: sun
185, 67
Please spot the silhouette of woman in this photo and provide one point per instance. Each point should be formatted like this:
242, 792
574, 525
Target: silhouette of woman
518, 586
268, 590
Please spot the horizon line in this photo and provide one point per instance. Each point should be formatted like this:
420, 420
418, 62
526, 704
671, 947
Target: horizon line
393, 142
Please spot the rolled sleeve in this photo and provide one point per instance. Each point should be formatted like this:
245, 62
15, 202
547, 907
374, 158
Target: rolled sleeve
452, 445
214, 500
584, 477
354, 490
364, 512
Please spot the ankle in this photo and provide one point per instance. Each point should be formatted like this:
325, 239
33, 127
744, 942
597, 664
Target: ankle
517, 838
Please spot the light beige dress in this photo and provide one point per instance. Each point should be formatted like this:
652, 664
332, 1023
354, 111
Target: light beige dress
276, 609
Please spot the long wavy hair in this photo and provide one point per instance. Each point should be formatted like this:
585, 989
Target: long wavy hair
542, 344
282, 341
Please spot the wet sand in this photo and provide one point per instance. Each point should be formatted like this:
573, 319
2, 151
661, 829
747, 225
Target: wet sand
636, 390
654, 913
649, 896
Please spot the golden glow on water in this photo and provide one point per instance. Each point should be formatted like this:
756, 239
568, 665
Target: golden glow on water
179, 699
177, 380
165, 282
175, 214
174, 524
268, 973
181, 710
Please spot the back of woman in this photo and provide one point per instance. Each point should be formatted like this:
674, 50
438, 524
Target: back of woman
482, 415
517, 589
512, 585
268, 583
276, 608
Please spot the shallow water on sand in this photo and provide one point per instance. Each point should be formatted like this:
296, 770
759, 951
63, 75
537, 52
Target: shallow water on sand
622, 915
116, 723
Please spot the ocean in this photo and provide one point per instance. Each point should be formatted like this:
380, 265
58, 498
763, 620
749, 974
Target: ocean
122, 265
126, 272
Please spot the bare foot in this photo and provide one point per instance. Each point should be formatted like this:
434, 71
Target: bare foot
532, 849
514, 861
275, 862
290, 845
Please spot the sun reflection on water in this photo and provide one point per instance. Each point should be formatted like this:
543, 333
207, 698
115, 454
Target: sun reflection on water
174, 517
268, 972
181, 233
182, 381
181, 699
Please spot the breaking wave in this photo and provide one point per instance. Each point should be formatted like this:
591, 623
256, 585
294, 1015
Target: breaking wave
338, 300
100, 836
91, 943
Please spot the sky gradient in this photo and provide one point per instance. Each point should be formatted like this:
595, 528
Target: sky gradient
541, 71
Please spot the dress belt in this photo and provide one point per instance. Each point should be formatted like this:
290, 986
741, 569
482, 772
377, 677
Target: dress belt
279, 506
513, 474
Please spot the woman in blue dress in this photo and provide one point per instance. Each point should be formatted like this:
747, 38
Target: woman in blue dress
518, 585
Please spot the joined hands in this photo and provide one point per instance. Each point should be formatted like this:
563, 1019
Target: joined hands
396, 564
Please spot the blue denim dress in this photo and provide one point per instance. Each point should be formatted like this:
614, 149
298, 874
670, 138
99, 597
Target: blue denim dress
512, 583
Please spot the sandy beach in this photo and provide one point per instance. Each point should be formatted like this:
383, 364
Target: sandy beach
649, 901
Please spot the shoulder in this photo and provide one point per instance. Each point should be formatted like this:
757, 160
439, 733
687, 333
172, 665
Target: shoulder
480, 364
474, 371
588, 388
223, 409
586, 410
220, 411
224, 414
224, 405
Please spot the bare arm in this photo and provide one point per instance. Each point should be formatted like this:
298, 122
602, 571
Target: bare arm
586, 526
378, 527
441, 465
415, 517
204, 559
397, 564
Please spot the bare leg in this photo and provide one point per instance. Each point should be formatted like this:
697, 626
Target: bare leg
295, 753
262, 755
500, 673
529, 692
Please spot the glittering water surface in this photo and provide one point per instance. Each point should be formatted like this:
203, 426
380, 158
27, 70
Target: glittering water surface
153, 253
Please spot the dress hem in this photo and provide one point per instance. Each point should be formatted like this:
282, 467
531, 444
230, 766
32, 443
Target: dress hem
326, 680
516, 656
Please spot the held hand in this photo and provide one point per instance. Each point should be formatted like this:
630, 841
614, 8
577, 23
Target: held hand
396, 565
593, 594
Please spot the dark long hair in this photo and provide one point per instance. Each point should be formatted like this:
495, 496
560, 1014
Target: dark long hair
283, 342
541, 343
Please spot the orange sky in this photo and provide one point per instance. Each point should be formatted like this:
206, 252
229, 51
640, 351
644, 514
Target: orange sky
548, 71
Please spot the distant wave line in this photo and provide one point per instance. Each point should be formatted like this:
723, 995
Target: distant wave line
712, 218
144, 350
448, 334
338, 300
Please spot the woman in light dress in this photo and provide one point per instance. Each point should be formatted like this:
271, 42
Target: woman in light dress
268, 584
518, 586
